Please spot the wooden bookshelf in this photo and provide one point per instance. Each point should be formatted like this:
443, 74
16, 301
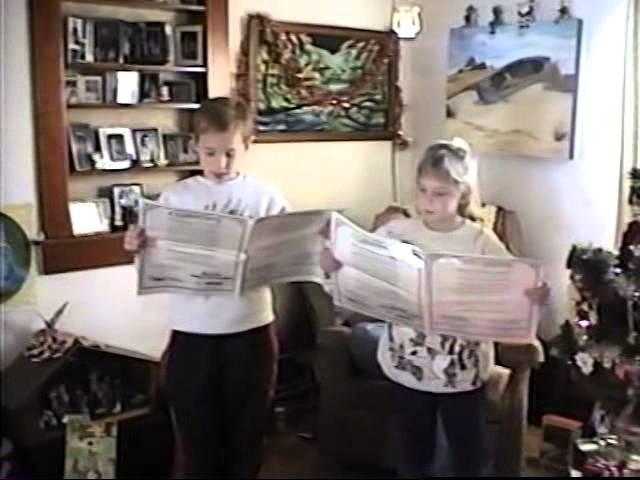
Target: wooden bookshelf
61, 251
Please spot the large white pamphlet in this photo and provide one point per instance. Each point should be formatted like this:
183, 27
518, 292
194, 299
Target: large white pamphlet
204, 253
380, 277
474, 297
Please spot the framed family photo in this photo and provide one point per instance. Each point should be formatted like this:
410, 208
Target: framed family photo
148, 147
189, 49
117, 148
178, 149
125, 201
310, 82
82, 143
79, 40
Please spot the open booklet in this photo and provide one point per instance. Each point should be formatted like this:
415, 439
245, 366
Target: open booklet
475, 297
205, 253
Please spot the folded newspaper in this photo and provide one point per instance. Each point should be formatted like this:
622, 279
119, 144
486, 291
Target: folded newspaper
475, 297
205, 253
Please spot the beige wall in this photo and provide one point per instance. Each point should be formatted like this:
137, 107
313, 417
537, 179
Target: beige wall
103, 304
559, 201
351, 175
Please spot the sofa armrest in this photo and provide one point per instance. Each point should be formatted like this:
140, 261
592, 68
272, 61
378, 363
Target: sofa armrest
520, 357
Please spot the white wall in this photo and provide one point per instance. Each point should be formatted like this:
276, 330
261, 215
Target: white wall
559, 202
103, 304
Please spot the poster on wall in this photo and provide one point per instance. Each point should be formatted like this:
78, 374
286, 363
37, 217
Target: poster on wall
512, 90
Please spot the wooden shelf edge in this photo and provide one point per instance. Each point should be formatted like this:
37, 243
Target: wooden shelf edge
168, 168
105, 67
154, 105
62, 255
144, 5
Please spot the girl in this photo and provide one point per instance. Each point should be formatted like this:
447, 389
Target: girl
440, 375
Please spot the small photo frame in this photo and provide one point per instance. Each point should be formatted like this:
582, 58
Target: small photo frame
108, 37
72, 89
179, 149
156, 43
149, 87
90, 216
127, 87
148, 147
79, 41
117, 148
125, 200
180, 91
189, 48
90, 89
82, 143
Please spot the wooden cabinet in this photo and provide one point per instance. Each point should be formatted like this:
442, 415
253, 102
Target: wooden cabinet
57, 182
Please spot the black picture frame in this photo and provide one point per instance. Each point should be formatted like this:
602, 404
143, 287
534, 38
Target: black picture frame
125, 204
148, 143
108, 41
82, 144
181, 91
149, 87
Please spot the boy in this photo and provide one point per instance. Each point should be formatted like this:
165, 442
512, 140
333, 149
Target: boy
222, 353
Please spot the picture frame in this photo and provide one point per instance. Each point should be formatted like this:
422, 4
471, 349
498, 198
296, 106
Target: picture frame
116, 147
89, 217
125, 202
149, 87
189, 45
82, 144
180, 91
127, 87
178, 149
350, 92
512, 91
148, 147
79, 39
90, 89
108, 41
72, 89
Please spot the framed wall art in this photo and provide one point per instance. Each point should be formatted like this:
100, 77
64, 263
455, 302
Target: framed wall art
310, 82
512, 90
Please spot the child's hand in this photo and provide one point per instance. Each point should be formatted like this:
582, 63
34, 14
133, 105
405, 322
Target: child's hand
328, 262
538, 295
135, 239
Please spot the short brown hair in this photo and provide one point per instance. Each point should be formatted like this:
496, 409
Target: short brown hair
222, 114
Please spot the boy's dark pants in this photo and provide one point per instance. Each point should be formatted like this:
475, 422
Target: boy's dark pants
463, 420
220, 388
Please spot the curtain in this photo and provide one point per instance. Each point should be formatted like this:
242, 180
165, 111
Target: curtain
631, 121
